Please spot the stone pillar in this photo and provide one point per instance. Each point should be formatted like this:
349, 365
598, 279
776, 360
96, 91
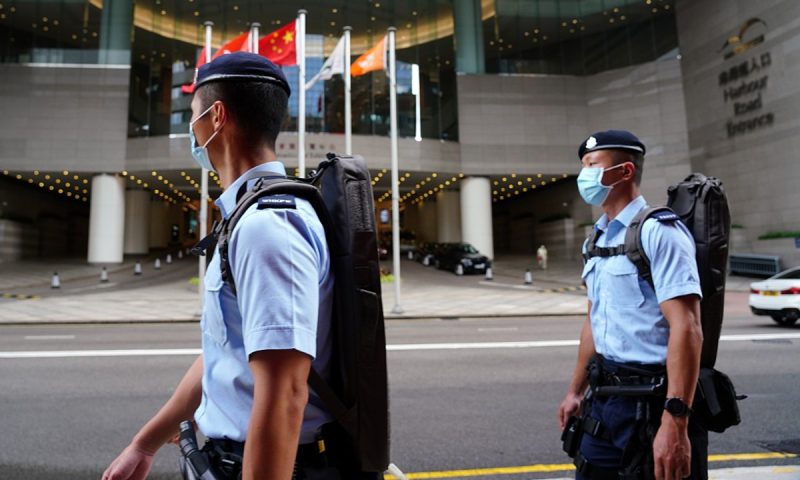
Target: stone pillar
476, 214
469, 36
116, 23
107, 219
137, 222
448, 216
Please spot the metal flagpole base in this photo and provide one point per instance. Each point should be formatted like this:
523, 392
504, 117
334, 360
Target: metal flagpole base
397, 309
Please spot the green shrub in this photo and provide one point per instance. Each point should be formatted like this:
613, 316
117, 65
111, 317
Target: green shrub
781, 234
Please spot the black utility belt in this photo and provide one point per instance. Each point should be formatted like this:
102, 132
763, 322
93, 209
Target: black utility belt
614, 379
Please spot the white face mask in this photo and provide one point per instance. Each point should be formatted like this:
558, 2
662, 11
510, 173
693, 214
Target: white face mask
200, 153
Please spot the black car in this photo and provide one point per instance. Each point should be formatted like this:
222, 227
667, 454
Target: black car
425, 253
461, 258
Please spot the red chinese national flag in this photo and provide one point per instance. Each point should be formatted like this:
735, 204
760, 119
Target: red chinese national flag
279, 47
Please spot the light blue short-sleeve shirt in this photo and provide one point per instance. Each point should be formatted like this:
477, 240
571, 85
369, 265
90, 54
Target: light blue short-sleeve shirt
627, 323
280, 263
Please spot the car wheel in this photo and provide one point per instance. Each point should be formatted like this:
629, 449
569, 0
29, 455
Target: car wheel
786, 318
459, 269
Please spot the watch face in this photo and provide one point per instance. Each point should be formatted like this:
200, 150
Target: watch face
677, 407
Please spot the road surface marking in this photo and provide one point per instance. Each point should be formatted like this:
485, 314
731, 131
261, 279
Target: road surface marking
498, 329
391, 348
49, 337
565, 467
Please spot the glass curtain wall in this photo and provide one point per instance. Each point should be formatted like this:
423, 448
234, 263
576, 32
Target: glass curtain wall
579, 37
65, 31
168, 36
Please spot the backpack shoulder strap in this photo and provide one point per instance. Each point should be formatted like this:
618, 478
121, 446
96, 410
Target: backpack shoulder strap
266, 187
592, 250
634, 248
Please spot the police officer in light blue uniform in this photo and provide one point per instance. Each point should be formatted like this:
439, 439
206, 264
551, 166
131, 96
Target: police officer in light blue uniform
635, 335
248, 391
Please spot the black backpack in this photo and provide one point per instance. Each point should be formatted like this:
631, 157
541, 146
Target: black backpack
700, 203
357, 396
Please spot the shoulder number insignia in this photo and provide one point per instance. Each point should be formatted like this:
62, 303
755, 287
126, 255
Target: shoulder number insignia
666, 216
276, 201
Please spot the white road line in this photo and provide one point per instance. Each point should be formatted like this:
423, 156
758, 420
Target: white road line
391, 348
759, 336
498, 329
49, 337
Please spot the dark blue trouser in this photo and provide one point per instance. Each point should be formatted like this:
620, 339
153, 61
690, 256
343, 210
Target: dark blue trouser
618, 414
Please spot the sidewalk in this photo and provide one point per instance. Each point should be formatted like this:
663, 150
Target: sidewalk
167, 295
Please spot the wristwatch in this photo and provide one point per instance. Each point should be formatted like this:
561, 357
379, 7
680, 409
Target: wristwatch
677, 407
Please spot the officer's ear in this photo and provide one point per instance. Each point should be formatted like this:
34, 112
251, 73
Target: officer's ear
629, 169
219, 114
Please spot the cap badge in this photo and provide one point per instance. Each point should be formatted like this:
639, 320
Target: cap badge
591, 142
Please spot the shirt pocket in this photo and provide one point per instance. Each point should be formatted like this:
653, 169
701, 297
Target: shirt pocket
621, 284
213, 321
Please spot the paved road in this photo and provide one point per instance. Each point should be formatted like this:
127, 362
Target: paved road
453, 407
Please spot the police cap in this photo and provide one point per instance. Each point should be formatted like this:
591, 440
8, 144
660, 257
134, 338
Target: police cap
611, 140
241, 66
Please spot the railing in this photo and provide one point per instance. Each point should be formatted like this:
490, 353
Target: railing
754, 264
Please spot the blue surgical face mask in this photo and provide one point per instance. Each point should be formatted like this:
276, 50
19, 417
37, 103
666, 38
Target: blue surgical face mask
200, 153
590, 185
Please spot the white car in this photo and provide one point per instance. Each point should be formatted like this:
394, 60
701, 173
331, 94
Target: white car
778, 297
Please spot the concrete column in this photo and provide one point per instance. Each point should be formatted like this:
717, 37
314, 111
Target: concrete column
469, 36
137, 222
107, 219
476, 214
116, 23
448, 216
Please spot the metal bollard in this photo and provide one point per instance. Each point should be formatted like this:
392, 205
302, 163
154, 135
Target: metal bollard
489, 275
169, 258
157, 266
528, 277
104, 275
180, 254
137, 269
55, 282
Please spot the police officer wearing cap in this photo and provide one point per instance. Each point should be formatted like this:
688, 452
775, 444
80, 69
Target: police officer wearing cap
248, 390
636, 424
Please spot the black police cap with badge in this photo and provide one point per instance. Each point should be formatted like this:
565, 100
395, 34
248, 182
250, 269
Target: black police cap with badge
241, 66
611, 140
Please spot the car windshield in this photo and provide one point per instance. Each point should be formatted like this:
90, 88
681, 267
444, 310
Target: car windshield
467, 248
793, 274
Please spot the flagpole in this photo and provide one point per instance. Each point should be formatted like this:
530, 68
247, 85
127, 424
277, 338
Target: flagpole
204, 189
415, 91
254, 36
395, 194
348, 120
301, 97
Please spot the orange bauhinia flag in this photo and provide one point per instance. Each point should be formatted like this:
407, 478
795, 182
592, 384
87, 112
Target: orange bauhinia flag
373, 59
237, 44
279, 47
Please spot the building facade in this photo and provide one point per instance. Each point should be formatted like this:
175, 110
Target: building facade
94, 153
